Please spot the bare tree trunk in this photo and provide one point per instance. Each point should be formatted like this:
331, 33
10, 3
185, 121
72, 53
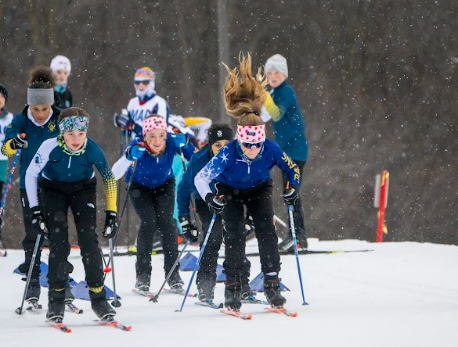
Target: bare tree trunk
35, 28
53, 41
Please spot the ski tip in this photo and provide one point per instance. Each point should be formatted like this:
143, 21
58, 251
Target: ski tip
68, 331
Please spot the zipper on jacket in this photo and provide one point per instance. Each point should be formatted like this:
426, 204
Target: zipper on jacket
69, 161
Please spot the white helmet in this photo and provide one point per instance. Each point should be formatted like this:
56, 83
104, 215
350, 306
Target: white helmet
61, 63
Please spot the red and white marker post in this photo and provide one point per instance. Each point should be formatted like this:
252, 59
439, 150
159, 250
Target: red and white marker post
381, 201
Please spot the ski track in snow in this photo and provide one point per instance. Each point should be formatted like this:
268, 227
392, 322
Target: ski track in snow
401, 294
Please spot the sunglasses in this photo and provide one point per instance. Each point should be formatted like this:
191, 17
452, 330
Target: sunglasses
251, 145
142, 82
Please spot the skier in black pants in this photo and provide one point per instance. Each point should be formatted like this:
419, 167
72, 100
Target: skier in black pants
241, 171
38, 121
218, 136
152, 193
66, 167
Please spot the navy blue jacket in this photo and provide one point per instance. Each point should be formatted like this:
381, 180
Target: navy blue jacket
35, 136
186, 186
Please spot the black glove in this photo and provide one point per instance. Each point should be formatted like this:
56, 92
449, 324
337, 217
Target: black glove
189, 230
111, 225
18, 142
249, 224
38, 221
290, 196
123, 121
215, 204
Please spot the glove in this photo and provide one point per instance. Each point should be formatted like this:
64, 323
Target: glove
189, 230
180, 140
111, 225
123, 121
249, 224
38, 221
290, 196
215, 204
135, 152
18, 142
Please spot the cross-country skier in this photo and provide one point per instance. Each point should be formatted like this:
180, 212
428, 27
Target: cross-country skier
241, 171
68, 181
146, 103
282, 107
61, 69
152, 193
219, 135
38, 121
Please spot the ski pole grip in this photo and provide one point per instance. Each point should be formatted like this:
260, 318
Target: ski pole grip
287, 185
23, 136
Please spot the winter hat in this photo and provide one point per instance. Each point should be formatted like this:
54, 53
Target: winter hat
154, 122
278, 63
144, 74
220, 132
60, 62
251, 133
4, 92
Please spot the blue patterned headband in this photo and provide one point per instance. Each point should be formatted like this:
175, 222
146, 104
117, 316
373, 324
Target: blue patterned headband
73, 123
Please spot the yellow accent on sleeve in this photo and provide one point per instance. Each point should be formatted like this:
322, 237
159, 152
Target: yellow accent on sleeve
272, 108
7, 150
109, 183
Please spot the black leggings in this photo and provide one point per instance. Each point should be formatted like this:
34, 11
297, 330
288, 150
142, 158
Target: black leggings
154, 207
258, 202
28, 243
58, 197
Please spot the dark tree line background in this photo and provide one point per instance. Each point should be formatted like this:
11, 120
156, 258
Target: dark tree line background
377, 82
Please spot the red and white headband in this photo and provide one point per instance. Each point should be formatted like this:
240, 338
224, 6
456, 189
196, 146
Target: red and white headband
251, 133
154, 123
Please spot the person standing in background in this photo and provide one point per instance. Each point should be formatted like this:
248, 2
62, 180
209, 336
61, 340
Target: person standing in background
61, 68
283, 108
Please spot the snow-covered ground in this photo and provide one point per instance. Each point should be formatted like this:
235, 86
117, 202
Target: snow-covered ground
401, 294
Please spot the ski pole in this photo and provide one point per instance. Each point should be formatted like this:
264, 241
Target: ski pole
8, 182
115, 302
156, 297
29, 274
293, 232
202, 249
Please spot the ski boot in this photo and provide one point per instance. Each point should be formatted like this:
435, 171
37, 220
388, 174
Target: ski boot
175, 282
206, 291
233, 294
143, 282
100, 305
247, 292
56, 305
33, 291
69, 297
272, 291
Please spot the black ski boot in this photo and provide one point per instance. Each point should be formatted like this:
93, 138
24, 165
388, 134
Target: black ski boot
247, 292
143, 282
56, 304
100, 305
33, 290
272, 291
233, 294
206, 281
175, 282
69, 297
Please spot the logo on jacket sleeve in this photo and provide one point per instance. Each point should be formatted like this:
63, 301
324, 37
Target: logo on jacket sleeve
38, 158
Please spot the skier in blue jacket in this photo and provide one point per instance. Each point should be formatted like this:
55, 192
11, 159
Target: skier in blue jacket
219, 135
282, 107
152, 193
241, 172
65, 165
38, 121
